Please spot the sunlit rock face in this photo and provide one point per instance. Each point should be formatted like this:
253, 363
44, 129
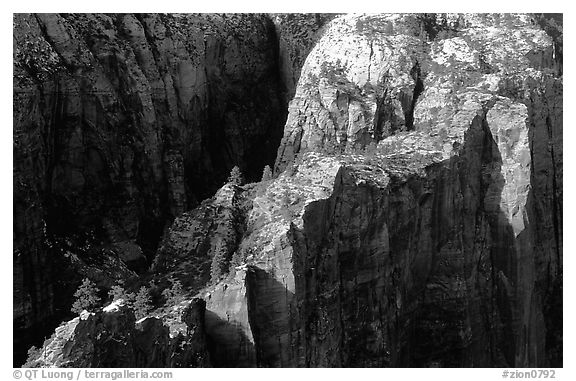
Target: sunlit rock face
432, 247
371, 76
113, 338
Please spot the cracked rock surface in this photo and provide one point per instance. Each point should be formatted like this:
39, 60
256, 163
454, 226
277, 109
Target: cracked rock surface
414, 218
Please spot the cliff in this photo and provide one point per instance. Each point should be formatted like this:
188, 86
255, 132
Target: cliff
425, 244
121, 123
297, 33
113, 338
415, 214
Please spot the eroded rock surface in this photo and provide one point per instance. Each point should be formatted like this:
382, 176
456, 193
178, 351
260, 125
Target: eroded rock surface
297, 34
415, 216
113, 338
121, 123
426, 248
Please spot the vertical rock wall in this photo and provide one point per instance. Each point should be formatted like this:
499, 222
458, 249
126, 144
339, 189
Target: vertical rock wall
121, 123
416, 214
439, 244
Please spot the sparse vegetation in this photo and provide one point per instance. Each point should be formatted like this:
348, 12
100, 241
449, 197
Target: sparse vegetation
291, 167
235, 176
175, 293
337, 75
86, 297
433, 27
118, 292
267, 173
142, 303
218, 266
371, 26
224, 241
334, 72
35, 358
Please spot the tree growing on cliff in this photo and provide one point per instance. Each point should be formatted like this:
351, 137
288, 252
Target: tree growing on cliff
118, 292
142, 303
86, 297
235, 176
267, 173
174, 294
36, 357
219, 265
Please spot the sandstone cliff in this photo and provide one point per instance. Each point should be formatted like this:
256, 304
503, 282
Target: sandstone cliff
435, 237
113, 338
297, 34
415, 217
121, 123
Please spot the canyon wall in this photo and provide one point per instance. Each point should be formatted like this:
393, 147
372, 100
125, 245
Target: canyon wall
439, 243
121, 123
113, 338
415, 214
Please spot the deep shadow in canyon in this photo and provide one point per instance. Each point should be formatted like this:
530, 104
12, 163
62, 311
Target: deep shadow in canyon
447, 285
124, 122
126, 132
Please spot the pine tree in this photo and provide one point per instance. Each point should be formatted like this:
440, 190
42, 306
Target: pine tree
117, 292
174, 293
267, 173
235, 176
86, 297
218, 266
142, 303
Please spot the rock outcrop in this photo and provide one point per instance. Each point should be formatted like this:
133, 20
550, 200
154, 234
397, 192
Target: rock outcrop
113, 338
426, 245
199, 245
121, 123
297, 34
415, 214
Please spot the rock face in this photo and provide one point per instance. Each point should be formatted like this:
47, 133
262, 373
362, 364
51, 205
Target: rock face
121, 123
434, 239
297, 34
199, 244
112, 338
415, 215
362, 81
